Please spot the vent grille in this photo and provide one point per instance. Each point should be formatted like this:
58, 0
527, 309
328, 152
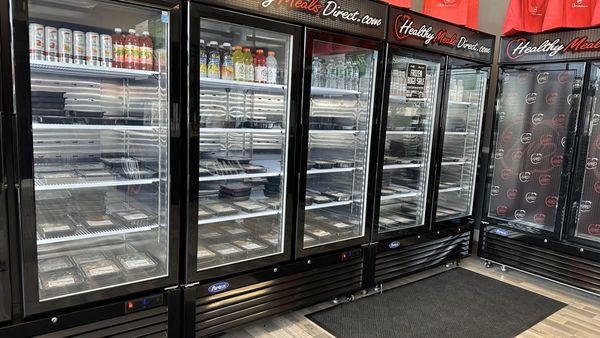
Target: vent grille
236, 307
558, 266
148, 323
396, 263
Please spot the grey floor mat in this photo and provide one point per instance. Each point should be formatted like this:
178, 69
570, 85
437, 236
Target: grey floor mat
456, 303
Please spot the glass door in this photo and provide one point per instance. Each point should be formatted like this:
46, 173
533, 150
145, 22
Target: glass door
465, 104
98, 128
536, 114
586, 224
244, 70
414, 82
338, 131
5, 293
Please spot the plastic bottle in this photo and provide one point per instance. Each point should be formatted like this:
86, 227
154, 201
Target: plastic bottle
271, 68
317, 72
146, 52
341, 74
239, 67
395, 82
349, 76
248, 65
227, 65
214, 61
356, 75
118, 40
131, 51
330, 74
203, 60
260, 66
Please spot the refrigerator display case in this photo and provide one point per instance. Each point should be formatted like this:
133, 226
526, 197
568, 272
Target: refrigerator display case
539, 208
94, 132
5, 293
412, 95
537, 107
241, 70
339, 104
462, 131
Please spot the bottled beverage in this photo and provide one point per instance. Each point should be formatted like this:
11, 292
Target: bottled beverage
146, 52
271, 68
356, 75
317, 72
248, 65
131, 51
227, 65
51, 43
203, 60
79, 47
402, 84
341, 74
331, 74
260, 66
349, 76
239, 67
36, 41
92, 48
118, 40
460, 88
214, 61
395, 82
65, 45
106, 52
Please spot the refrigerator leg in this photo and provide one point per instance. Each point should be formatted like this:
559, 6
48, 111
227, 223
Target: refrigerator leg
487, 264
503, 268
336, 300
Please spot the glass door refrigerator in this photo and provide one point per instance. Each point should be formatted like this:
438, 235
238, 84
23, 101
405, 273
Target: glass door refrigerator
408, 134
242, 102
339, 101
540, 206
5, 293
98, 182
460, 135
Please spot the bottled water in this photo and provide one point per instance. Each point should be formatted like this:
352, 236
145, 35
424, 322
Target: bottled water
331, 74
356, 75
349, 77
395, 82
317, 72
341, 75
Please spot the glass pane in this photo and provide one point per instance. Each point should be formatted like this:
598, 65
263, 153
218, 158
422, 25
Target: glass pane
533, 114
464, 114
340, 122
100, 144
588, 219
244, 114
410, 124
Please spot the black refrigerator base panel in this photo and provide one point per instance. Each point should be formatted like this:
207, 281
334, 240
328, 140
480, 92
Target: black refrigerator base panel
153, 315
549, 259
211, 308
393, 259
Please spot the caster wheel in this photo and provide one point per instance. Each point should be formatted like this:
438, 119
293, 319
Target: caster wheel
487, 264
350, 298
336, 301
503, 268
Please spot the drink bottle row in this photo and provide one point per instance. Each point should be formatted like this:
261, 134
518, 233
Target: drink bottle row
64, 45
237, 63
336, 73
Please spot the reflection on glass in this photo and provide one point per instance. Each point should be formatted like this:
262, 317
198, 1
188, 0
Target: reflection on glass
534, 111
410, 122
243, 142
340, 120
588, 219
100, 146
464, 114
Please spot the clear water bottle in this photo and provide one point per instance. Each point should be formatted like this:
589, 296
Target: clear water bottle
331, 74
341, 74
317, 72
356, 75
349, 77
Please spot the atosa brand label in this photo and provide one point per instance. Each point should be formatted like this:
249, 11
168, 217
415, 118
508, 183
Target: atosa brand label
405, 27
327, 9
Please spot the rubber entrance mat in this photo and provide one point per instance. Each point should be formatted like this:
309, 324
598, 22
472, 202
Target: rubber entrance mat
456, 303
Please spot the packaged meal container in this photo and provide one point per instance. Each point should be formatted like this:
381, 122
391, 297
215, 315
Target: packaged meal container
137, 262
100, 269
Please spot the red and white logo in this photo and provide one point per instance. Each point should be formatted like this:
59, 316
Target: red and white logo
536, 158
531, 197
594, 229
545, 180
559, 119
563, 77
531, 98
517, 155
546, 140
597, 143
537, 118
512, 193
539, 218
586, 206
551, 98
580, 3
526, 138
502, 210
520, 214
507, 136
525, 176
597, 187
556, 161
551, 201
507, 173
